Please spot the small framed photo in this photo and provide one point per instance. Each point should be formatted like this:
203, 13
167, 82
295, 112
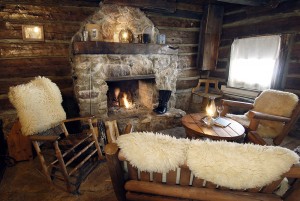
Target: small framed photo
33, 32
93, 32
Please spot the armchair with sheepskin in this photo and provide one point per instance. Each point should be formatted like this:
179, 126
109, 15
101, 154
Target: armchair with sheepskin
43, 120
272, 115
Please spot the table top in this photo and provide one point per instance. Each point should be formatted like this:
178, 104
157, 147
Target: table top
195, 127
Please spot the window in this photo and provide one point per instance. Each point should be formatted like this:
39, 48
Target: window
253, 62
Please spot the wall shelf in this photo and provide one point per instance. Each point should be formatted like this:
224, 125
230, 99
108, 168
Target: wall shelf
100, 47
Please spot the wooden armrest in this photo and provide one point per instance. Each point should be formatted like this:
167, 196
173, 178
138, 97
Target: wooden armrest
111, 149
128, 129
263, 116
44, 138
294, 172
240, 104
78, 119
255, 138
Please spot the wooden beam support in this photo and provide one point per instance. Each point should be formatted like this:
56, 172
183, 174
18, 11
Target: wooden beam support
246, 2
210, 37
121, 48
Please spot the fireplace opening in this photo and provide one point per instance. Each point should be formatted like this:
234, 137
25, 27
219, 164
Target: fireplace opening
130, 96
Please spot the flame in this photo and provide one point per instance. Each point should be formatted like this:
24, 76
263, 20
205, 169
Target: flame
126, 103
117, 92
211, 108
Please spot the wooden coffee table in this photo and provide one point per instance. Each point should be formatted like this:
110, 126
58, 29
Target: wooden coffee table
196, 128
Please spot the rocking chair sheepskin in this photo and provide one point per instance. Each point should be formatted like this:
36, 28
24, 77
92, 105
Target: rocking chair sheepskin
30, 101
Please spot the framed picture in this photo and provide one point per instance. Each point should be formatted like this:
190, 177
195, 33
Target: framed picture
33, 32
93, 32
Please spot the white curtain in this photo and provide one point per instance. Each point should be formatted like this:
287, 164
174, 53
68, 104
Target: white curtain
252, 62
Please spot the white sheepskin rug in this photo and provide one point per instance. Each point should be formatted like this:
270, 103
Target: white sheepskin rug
238, 166
272, 102
153, 152
38, 105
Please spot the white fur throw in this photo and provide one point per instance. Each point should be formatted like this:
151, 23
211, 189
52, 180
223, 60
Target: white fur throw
239, 166
272, 102
153, 153
228, 164
38, 105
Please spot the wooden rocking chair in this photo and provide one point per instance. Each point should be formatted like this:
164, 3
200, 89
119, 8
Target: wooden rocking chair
43, 120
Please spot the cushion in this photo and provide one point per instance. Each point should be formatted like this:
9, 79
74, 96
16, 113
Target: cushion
38, 105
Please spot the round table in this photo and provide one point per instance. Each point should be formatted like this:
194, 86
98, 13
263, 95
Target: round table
195, 128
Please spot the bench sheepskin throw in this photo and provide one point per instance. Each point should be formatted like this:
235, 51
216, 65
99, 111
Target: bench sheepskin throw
153, 153
38, 105
228, 164
279, 103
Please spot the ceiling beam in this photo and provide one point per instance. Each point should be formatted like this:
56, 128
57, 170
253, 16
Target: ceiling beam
247, 2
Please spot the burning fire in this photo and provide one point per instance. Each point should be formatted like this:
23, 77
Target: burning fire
117, 92
126, 102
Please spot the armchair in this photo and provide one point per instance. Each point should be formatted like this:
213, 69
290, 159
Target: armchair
43, 120
272, 115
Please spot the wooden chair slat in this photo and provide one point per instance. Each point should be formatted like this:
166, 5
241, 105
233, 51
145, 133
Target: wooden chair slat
157, 177
144, 176
185, 177
132, 172
197, 182
171, 177
210, 185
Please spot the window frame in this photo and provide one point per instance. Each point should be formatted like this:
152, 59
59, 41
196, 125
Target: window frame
278, 81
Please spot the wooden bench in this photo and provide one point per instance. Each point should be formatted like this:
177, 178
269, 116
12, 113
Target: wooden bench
138, 185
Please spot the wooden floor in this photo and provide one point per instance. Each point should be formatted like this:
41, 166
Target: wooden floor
24, 181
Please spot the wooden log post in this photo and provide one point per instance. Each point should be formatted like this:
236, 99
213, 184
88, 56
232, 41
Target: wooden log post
115, 170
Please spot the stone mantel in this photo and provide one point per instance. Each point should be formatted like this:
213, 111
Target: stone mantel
100, 47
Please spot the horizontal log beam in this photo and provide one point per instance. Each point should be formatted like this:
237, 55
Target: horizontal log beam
164, 5
178, 14
62, 82
36, 13
283, 25
30, 67
8, 50
186, 61
186, 84
165, 21
254, 14
65, 3
121, 48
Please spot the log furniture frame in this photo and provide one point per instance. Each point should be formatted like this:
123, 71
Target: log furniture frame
139, 187
81, 147
255, 117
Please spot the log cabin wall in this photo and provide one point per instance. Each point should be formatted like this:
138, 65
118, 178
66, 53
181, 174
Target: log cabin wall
242, 21
21, 61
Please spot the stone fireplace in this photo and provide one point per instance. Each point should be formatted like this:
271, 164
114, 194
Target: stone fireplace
105, 71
